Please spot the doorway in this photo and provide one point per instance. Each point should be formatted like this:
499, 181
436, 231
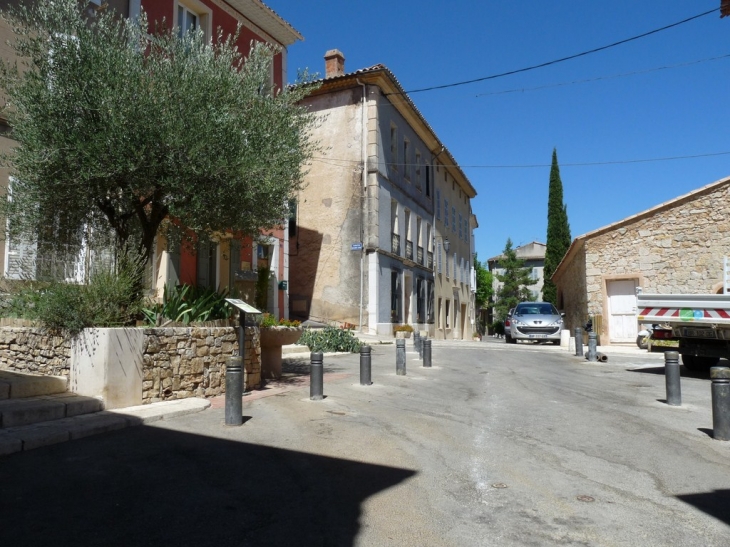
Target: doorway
621, 301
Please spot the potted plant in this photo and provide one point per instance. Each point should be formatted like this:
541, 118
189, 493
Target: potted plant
402, 331
273, 334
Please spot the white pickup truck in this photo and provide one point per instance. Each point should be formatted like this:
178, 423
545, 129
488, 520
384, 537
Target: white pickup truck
701, 323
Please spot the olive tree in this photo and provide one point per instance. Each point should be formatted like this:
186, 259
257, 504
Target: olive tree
119, 128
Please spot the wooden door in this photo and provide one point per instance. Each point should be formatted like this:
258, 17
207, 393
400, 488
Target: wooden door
622, 310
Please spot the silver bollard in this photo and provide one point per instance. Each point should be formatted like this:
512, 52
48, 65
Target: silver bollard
234, 390
579, 341
427, 353
720, 403
416, 340
400, 357
672, 378
316, 377
420, 346
365, 366
592, 347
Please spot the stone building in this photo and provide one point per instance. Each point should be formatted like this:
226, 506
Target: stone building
533, 255
677, 247
383, 198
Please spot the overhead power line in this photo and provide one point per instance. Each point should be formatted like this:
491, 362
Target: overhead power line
346, 162
556, 61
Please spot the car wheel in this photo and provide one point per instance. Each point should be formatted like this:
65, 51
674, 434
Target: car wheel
698, 363
509, 339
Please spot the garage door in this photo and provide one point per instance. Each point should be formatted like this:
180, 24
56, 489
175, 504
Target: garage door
622, 310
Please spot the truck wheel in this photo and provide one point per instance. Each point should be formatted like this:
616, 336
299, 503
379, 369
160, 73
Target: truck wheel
642, 341
698, 363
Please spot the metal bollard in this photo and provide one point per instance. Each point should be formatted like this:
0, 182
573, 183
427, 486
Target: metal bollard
416, 340
672, 378
400, 357
720, 403
234, 390
427, 353
365, 366
420, 346
592, 347
316, 377
579, 341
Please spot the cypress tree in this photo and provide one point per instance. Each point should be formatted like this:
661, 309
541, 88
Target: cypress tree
558, 232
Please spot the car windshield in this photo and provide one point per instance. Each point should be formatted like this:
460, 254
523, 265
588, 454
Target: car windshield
537, 309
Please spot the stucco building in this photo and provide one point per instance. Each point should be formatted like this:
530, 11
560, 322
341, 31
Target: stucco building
677, 247
372, 224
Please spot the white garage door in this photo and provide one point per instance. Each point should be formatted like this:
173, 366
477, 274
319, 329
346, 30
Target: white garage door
622, 310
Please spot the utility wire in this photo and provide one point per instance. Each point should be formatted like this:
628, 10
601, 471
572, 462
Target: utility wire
344, 162
556, 61
599, 78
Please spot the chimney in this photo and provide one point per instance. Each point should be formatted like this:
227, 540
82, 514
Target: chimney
334, 63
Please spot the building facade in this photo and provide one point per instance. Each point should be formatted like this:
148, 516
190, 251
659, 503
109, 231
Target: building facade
677, 247
367, 244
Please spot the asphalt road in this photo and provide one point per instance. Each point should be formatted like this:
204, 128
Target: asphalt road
494, 445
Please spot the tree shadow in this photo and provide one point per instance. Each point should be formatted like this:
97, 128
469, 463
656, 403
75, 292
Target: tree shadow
716, 503
149, 486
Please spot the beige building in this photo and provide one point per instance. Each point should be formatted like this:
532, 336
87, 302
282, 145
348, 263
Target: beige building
368, 248
677, 247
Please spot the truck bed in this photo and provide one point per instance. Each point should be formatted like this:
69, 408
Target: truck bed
698, 309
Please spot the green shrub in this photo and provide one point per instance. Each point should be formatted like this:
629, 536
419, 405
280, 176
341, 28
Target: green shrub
186, 304
22, 302
498, 327
329, 339
269, 320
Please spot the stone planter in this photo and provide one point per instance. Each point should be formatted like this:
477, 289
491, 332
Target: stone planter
272, 338
402, 334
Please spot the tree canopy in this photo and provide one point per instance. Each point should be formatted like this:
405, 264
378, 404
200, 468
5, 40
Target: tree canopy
118, 130
484, 284
516, 278
558, 232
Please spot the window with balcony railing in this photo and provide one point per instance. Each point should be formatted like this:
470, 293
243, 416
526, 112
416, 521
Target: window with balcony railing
429, 260
419, 255
395, 244
409, 250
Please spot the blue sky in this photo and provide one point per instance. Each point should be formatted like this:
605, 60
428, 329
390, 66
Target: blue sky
655, 97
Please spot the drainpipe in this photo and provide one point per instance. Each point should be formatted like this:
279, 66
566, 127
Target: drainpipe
364, 151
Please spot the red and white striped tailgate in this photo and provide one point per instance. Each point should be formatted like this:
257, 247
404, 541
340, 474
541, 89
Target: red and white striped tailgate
686, 314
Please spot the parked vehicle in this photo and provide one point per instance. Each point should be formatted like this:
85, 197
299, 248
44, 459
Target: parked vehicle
535, 321
507, 324
700, 322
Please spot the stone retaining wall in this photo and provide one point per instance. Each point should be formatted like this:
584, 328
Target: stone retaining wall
191, 362
177, 362
35, 351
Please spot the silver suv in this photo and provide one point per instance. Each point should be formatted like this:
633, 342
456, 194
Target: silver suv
535, 321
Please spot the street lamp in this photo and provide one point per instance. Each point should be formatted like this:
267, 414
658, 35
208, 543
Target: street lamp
445, 241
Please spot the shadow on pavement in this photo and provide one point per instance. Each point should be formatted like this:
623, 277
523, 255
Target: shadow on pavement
684, 372
715, 504
149, 486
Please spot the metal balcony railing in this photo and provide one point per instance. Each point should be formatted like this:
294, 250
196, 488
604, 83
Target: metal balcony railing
419, 255
409, 250
395, 244
429, 260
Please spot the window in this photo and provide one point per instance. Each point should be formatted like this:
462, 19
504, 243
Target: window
448, 313
192, 15
394, 147
234, 263
395, 296
453, 218
207, 258
461, 223
418, 169
438, 204
446, 212
438, 256
406, 164
292, 217
428, 181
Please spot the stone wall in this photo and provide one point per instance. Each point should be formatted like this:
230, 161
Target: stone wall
191, 362
571, 284
177, 362
35, 351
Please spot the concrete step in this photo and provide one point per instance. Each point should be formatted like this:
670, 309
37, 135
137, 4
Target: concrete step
28, 437
30, 410
17, 385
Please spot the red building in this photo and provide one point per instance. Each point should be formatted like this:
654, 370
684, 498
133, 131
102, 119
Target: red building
231, 262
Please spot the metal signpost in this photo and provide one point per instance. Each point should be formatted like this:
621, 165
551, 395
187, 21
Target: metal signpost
234, 384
